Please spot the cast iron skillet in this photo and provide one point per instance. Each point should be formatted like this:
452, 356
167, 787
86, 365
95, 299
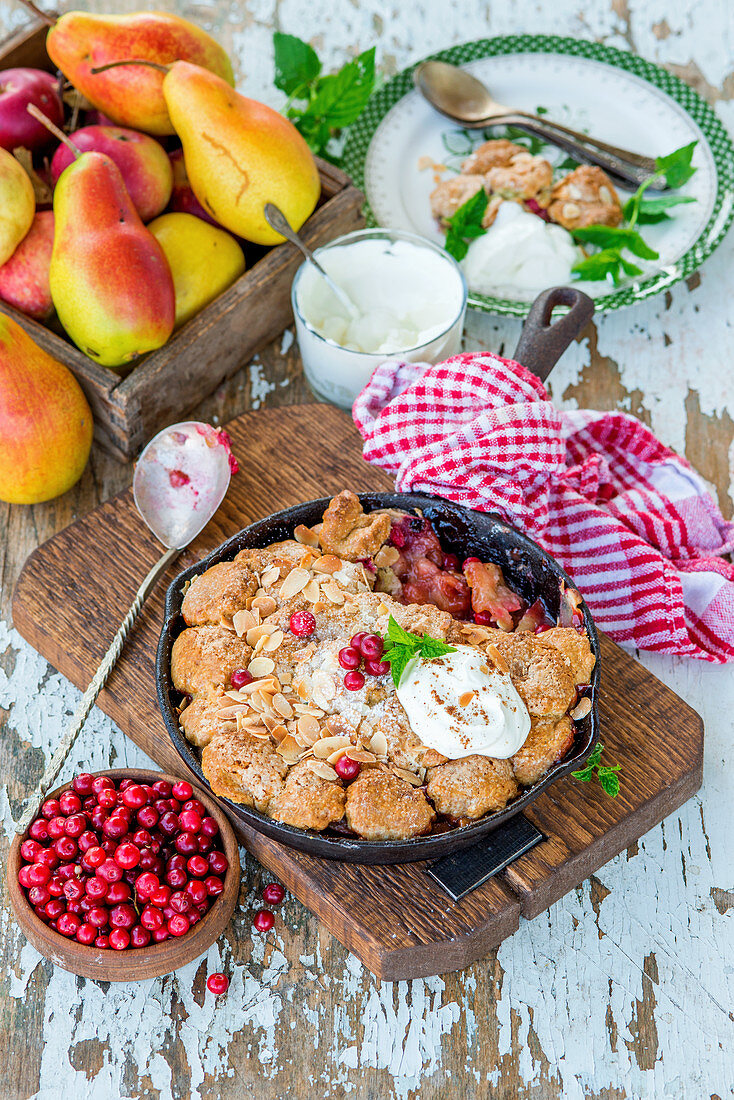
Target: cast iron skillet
528, 569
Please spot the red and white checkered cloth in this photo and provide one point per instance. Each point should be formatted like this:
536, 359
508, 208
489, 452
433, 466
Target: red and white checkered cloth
629, 519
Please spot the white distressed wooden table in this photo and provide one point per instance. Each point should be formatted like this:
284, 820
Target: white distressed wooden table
624, 988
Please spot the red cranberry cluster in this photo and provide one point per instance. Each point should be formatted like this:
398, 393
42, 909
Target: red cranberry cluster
264, 919
119, 865
362, 647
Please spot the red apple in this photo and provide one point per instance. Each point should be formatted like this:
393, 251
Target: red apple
143, 163
24, 277
183, 199
18, 88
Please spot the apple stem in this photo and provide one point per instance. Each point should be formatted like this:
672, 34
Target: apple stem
130, 61
33, 110
42, 15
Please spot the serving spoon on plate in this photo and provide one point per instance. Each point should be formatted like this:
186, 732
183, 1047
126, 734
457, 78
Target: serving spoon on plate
465, 99
180, 480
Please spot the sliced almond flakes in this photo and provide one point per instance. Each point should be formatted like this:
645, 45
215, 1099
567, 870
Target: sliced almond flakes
266, 605
326, 746
270, 576
322, 770
582, 709
305, 535
261, 666
294, 583
242, 621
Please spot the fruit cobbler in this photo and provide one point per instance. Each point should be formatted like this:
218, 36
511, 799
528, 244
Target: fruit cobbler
360, 680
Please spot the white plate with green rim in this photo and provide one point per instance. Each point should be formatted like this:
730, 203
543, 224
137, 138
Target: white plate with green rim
617, 97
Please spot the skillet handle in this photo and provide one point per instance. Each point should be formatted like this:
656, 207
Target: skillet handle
542, 341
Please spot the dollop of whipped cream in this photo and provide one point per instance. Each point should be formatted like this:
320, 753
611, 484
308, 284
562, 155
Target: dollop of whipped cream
461, 705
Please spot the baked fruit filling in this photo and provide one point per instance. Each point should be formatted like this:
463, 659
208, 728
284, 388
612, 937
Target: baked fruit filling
289, 682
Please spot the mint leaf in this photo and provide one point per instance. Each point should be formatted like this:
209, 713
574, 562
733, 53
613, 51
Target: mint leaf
676, 167
398, 636
296, 63
585, 775
340, 98
599, 266
609, 236
466, 224
609, 781
595, 756
433, 647
652, 210
399, 657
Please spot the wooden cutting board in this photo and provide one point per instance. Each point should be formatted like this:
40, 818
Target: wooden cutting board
75, 589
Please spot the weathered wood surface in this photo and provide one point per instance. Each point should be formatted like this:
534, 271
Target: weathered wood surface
624, 989
393, 919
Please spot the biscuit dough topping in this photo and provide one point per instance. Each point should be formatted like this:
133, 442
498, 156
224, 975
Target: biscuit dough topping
464, 706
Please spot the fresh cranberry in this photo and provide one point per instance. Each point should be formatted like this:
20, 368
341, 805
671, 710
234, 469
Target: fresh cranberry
169, 824
119, 939
186, 844
204, 843
135, 797
161, 896
122, 916
87, 840
127, 856
151, 918
109, 846
124, 784
347, 769
48, 857
98, 817
302, 624
74, 889
162, 787
38, 874
356, 640
372, 647
353, 681
65, 871
350, 658
263, 920
168, 912
66, 847
209, 826
110, 871
182, 790
94, 857
29, 849
68, 924
96, 888
55, 887
179, 925
177, 861
96, 916
198, 866
273, 893
106, 799
118, 892
103, 942
86, 933
51, 808
82, 783
39, 829
146, 884
377, 668
190, 821
87, 903
214, 886
139, 936
218, 862
89, 804
148, 817
175, 877
56, 907
194, 804
75, 825
179, 902
74, 907
70, 803
39, 896
160, 934
196, 891
217, 984
451, 563
194, 916
56, 827
102, 783
141, 838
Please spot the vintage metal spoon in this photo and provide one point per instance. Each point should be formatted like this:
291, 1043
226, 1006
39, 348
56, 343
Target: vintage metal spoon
277, 220
180, 480
461, 97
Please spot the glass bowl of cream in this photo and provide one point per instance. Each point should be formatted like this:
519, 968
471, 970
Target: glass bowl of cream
410, 302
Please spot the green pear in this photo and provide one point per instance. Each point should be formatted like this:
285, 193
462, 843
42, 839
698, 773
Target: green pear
110, 280
17, 204
203, 260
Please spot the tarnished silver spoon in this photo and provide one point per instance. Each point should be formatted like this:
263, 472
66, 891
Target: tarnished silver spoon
465, 99
180, 480
277, 220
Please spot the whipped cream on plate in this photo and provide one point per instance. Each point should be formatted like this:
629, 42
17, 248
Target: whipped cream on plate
461, 705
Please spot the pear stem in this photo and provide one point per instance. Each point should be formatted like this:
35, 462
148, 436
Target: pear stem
42, 15
130, 61
33, 110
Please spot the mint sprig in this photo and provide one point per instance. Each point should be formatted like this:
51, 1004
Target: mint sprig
466, 225
320, 106
606, 774
401, 647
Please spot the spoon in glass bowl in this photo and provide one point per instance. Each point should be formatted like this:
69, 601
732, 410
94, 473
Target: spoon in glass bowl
461, 97
180, 480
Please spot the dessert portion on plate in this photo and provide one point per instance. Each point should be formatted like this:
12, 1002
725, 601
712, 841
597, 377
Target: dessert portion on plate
359, 679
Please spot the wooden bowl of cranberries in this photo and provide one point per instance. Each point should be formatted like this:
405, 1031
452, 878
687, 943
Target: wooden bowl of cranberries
124, 875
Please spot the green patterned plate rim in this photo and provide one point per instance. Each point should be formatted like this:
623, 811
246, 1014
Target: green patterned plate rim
720, 145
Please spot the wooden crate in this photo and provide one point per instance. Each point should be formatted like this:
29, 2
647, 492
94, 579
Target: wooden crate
168, 383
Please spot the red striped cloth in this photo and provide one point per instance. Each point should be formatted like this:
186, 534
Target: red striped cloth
629, 519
